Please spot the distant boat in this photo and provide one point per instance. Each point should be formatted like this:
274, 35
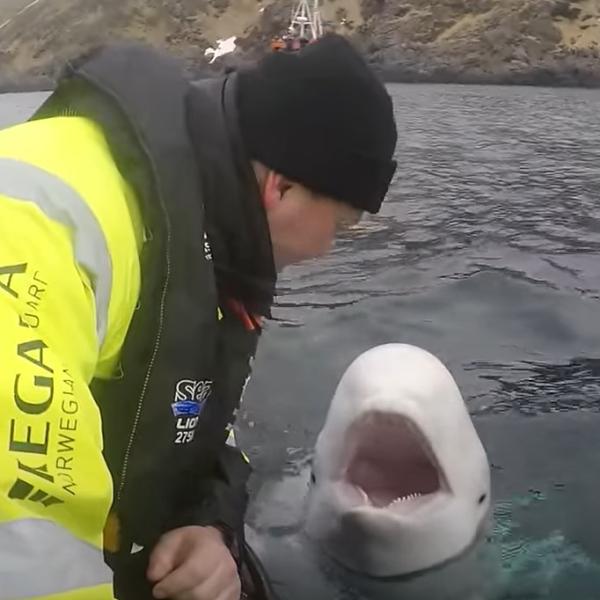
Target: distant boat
305, 28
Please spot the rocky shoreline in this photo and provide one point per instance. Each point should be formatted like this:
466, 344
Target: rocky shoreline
550, 43
26, 84
567, 74
558, 74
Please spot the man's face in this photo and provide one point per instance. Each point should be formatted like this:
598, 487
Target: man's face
304, 225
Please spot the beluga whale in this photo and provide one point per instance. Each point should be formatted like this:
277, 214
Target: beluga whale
398, 484
401, 480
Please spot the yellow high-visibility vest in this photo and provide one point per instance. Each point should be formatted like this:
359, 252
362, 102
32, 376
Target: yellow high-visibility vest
70, 234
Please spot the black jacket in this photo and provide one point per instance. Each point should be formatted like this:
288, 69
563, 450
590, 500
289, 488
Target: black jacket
166, 420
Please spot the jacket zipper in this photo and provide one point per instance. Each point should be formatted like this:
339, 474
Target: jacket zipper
157, 340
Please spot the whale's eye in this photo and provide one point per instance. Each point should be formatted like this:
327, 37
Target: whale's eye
482, 498
313, 479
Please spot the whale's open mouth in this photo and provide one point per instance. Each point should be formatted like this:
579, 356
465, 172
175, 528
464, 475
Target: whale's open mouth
390, 461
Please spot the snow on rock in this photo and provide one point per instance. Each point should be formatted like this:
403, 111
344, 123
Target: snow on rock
223, 47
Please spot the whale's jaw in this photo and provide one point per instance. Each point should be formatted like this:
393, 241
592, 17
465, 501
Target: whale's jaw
390, 463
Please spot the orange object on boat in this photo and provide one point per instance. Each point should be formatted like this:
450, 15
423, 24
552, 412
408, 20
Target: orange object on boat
277, 44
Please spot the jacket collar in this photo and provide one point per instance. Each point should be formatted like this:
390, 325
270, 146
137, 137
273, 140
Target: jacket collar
237, 226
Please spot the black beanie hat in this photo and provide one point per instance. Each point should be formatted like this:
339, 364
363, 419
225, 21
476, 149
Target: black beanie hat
321, 117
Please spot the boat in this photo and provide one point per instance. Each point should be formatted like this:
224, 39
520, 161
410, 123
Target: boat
305, 28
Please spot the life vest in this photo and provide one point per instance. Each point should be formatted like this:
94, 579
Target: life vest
162, 351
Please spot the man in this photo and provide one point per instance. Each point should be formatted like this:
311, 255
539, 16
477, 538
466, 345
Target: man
143, 219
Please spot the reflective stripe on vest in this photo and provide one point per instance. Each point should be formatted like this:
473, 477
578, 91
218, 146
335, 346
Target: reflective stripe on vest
40, 558
61, 203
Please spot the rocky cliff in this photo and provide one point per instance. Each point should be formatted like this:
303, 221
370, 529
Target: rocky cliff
501, 41
554, 42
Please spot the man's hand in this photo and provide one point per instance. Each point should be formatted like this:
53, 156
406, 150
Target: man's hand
193, 563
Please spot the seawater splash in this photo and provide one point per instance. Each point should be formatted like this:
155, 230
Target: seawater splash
223, 47
548, 568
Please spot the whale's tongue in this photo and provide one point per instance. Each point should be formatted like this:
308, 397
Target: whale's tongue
389, 461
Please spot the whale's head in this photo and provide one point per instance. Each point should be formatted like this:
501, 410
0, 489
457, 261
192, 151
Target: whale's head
400, 479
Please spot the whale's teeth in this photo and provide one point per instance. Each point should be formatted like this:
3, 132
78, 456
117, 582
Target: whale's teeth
364, 496
405, 499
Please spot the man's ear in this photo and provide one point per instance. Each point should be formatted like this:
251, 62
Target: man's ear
273, 188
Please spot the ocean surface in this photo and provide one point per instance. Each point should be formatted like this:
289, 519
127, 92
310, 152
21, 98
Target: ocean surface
486, 253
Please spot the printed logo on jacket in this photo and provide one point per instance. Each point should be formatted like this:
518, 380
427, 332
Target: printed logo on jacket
44, 421
190, 398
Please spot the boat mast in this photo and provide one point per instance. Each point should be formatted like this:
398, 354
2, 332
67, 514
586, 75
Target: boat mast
306, 21
318, 25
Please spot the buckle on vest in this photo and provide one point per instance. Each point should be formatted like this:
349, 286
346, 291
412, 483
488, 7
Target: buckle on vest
251, 322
